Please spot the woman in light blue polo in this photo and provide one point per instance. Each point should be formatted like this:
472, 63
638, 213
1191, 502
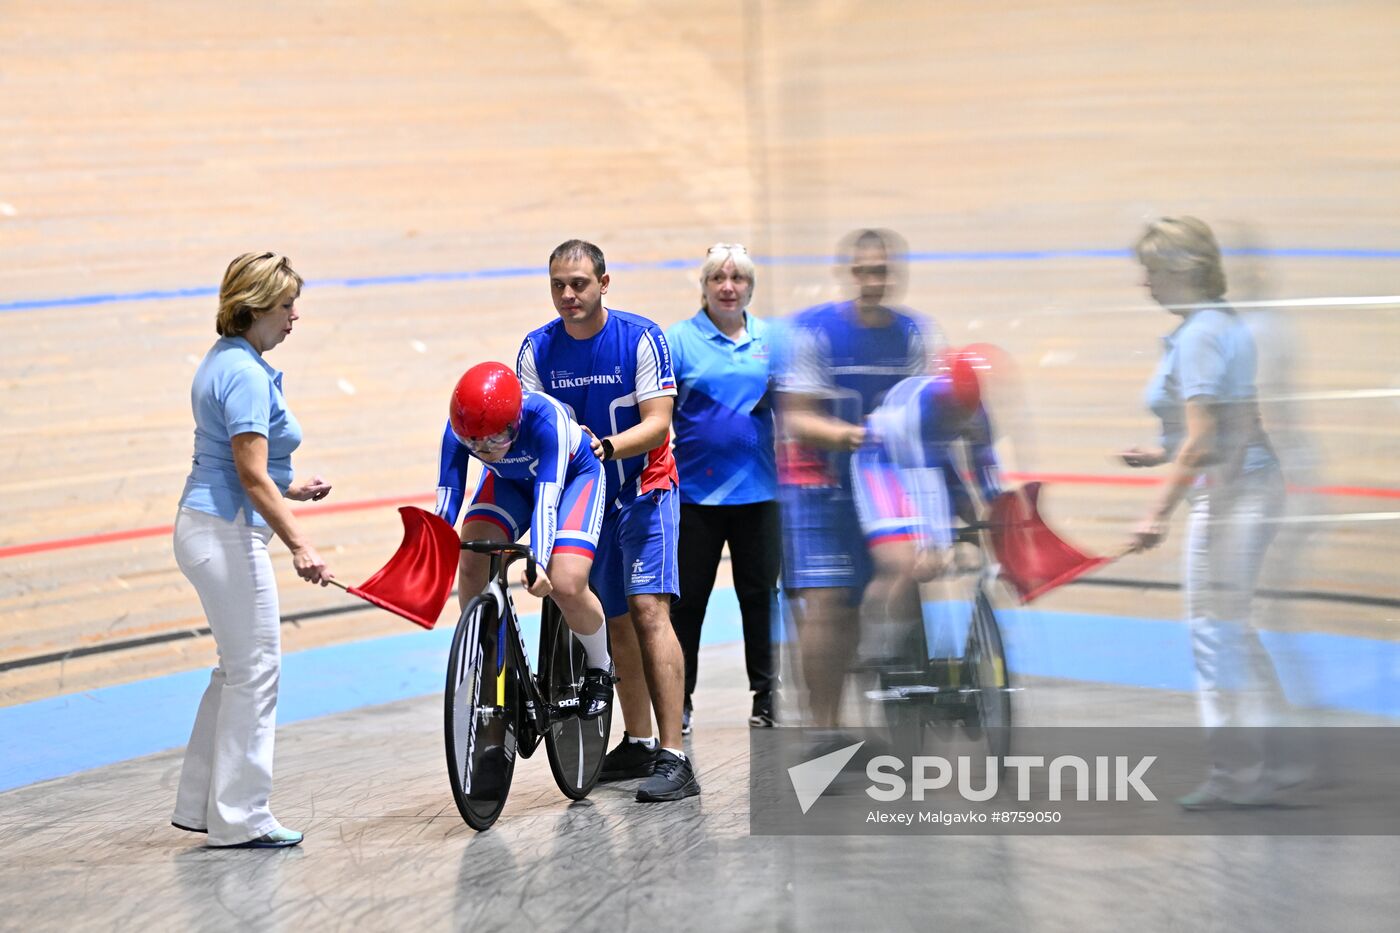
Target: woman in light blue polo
1220, 460
724, 452
232, 505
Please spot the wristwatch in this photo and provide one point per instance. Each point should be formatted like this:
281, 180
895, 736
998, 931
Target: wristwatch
607, 448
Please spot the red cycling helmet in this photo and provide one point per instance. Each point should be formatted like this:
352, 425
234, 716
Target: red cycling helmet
964, 367
956, 380
486, 405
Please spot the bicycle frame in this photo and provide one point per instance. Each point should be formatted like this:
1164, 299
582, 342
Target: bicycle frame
537, 713
954, 691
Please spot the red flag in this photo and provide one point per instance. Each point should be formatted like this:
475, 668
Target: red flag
417, 580
1034, 560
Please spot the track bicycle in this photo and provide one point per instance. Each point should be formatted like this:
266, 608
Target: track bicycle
931, 690
496, 707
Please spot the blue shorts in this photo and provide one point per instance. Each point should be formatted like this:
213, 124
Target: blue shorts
637, 551
509, 504
822, 544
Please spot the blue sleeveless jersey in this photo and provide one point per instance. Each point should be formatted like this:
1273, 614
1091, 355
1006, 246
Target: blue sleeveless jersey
831, 356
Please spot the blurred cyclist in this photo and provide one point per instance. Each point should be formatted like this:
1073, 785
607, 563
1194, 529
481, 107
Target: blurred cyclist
908, 486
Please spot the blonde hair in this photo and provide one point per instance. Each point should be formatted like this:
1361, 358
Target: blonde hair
715, 259
1184, 244
253, 285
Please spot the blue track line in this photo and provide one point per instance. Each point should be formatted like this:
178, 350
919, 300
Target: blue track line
66, 734
517, 272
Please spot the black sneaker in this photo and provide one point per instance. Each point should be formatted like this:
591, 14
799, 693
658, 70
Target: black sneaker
595, 695
628, 760
685, 717
762, 715
674, 780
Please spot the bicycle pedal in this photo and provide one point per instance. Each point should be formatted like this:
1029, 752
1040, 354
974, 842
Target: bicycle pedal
564, 708
888, 695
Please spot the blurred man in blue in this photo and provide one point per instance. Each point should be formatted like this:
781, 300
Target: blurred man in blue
842, 359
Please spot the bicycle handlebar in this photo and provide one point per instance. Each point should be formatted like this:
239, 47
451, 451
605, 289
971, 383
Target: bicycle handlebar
501, 547
972, 533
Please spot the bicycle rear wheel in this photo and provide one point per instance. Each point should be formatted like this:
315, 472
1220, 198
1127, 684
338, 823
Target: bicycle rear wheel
480, 709
575, 746
988, 679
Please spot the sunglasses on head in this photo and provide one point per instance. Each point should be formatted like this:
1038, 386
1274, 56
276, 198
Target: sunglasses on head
281, 261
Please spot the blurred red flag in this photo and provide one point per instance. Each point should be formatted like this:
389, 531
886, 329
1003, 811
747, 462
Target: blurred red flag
417, 580
1034, 560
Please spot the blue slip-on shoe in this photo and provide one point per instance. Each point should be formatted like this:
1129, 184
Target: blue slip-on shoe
279, 838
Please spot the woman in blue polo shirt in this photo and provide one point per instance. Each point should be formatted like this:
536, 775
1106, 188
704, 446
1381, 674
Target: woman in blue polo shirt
1220, 460
244, 436
728, 478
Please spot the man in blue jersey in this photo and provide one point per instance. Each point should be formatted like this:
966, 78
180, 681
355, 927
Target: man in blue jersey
612, 371
908, 488
843, 358
538, 473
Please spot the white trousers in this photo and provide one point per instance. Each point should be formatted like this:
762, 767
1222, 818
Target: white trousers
227, 775
1228, 535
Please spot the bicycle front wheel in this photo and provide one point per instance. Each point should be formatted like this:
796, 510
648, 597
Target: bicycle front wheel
988, 679
575, 746
480, 708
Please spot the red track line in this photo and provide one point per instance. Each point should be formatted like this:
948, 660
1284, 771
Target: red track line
1084, 479
156, 531
60, 544
1075, 479
1359, 492
362, 504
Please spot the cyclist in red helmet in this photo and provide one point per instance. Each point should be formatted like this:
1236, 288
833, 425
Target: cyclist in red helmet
908, 489
540, 474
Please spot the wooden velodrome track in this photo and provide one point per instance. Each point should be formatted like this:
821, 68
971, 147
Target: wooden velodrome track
419, 160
